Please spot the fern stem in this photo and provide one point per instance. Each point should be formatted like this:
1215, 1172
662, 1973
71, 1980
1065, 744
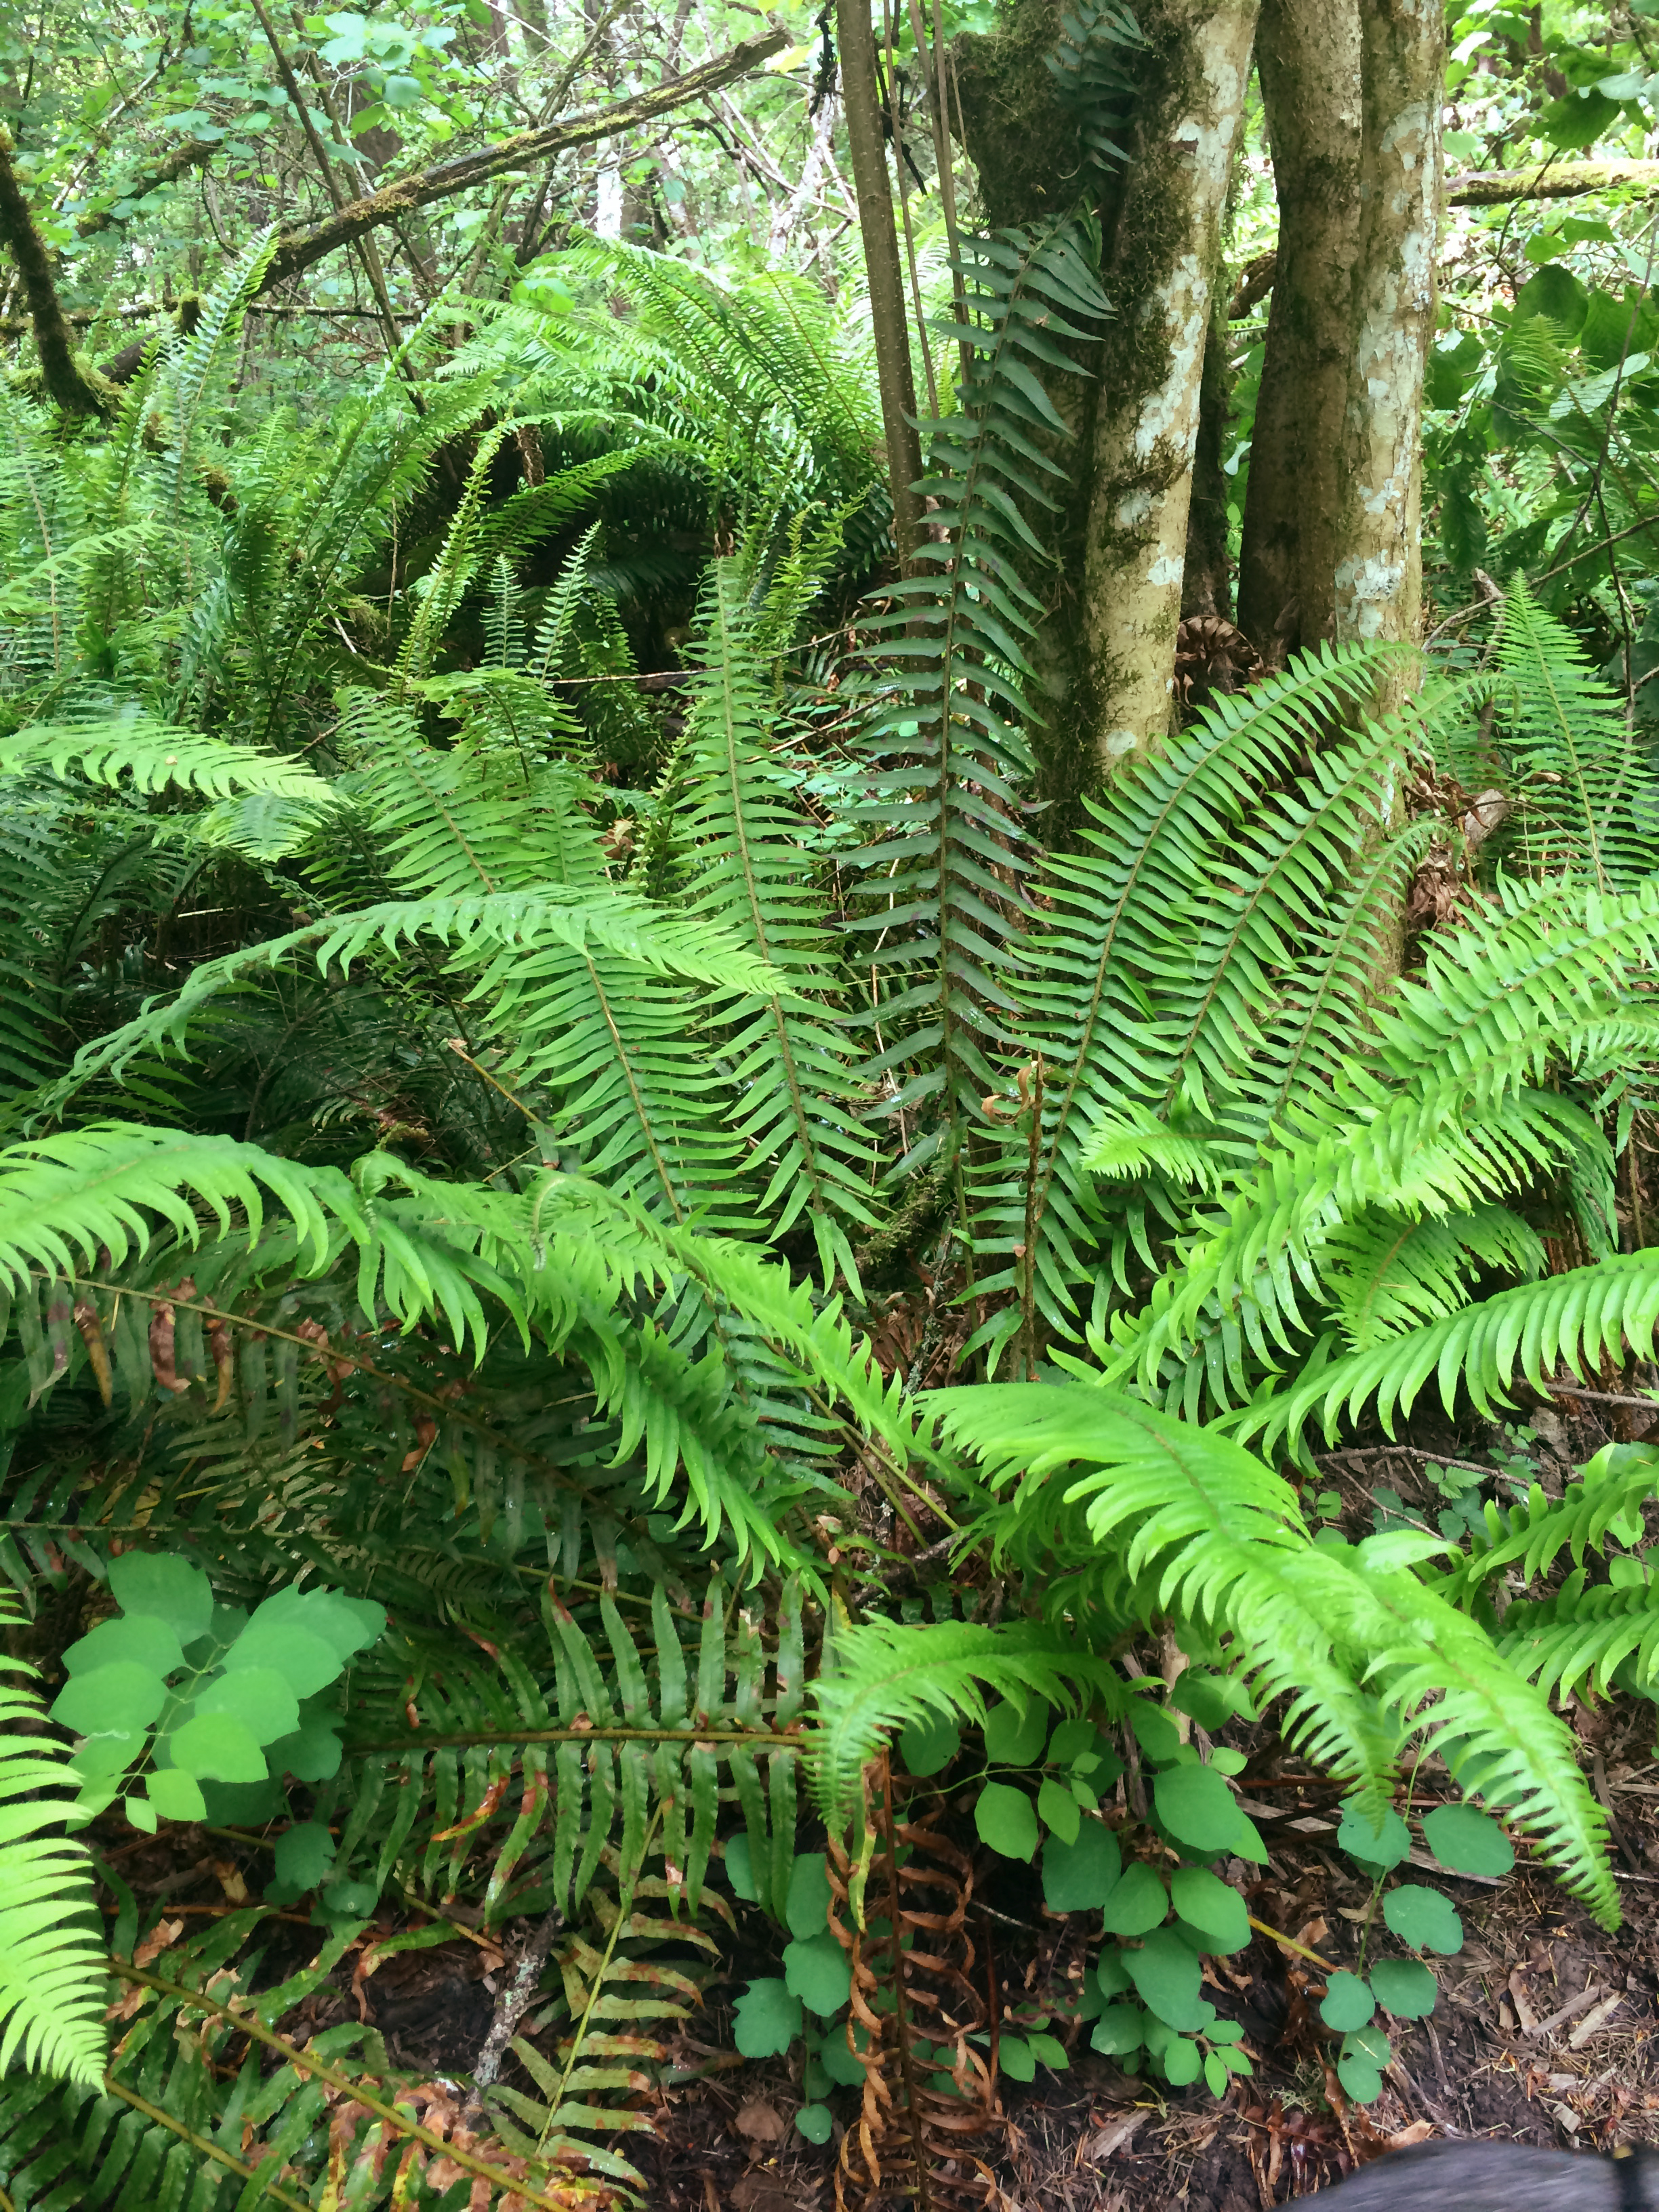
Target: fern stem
766, 1739
579, 2028
204, 2144
307, 2061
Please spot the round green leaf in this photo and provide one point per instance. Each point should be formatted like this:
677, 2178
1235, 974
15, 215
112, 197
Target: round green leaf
259, 1696
1121, 2029
138, 1637
1138, 1902
1370, 2042
1467, 1841
1077, 1877
739, 1870
110, 1752
1376, 1850
1359, 2078
177, 1795
305, 1661
1212, 1908
1006, 1820
1211, 1700
820, 1972
1070, 1740
1016, 2058
840, 2063
1058, 1810
311, 1754
1197, 1807
1215, 2074
351, 1901
806, 1908
928, 1745
1405, 1987
142, 1813
120, 1698
168, 1589
350, 1623
219, 1748
1111, 1975
1423, 1918
1155, 1732
815, 2121
304, 1854
1348, 2003
1014, 1737
1168, 1978
1182, 2061
767, 2019
1048, 2051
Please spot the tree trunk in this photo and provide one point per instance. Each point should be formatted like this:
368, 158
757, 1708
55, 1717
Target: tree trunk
1379, 557
867, 148
1207, 586
1308, 54
1161, 277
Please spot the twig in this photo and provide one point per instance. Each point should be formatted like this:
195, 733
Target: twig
1600, 1397
511, 2004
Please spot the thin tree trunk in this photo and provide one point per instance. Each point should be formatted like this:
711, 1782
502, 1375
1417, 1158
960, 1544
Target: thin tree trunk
856, 41
1161, 279
1308, 54
1379, 555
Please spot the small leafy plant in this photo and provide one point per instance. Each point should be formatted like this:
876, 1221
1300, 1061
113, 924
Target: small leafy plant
187, 1710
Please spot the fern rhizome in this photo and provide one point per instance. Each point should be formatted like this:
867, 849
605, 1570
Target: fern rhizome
497, 1156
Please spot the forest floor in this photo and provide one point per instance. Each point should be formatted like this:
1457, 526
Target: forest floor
1547, 2031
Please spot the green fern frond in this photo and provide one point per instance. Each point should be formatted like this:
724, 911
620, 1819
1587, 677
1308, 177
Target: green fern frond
790, 1067
52, 1970
1363, 1649
884, 1676
157, 758
1112, 938
1587, 799
947, 756
1570, 1320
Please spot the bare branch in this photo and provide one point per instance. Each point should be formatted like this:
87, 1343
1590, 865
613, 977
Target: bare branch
298, 249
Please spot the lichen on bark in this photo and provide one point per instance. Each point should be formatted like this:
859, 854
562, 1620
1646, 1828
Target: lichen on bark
1161, 275
1379, 558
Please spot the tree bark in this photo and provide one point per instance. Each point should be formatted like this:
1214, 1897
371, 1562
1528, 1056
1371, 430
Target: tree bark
1308, 57
867, 148
1207, 584
1379, 555
1161, 278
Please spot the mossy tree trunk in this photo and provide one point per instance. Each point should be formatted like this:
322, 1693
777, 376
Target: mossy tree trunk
1162, 273
1379, 555
1308, 55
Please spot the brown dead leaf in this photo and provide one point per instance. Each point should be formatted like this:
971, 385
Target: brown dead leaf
230, 1881
1403, 2138
760, 2121
165, 1933
761, 2192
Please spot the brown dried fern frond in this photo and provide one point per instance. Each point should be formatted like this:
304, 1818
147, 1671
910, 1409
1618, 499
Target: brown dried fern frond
929, 2093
